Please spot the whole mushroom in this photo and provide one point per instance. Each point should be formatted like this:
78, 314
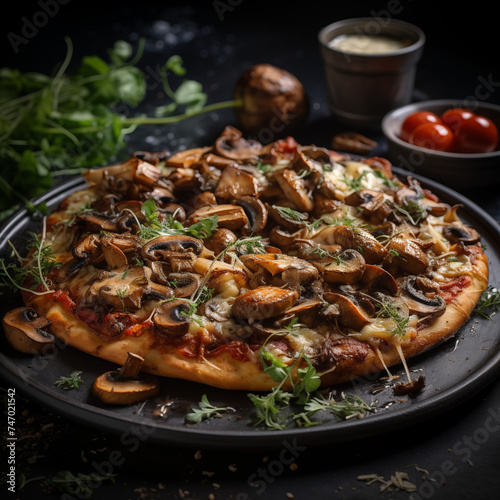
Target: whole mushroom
271, 98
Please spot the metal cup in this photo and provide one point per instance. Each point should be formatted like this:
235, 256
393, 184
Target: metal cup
363, 87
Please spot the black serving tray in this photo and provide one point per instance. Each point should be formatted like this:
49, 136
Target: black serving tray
454, 371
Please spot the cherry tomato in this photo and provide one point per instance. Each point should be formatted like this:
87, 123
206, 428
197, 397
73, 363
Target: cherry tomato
434, 136
455, 116
477, 134
416, 119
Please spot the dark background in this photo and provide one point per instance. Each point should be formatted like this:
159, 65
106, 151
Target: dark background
461, 47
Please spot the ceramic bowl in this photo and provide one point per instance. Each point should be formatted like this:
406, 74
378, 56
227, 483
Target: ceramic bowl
458, 171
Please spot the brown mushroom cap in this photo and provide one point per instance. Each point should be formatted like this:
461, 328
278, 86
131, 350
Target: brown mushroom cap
263, 302
350, 314
26, 332
346, 267
231, 144
171, 318
421, 297
272, 98
126, 386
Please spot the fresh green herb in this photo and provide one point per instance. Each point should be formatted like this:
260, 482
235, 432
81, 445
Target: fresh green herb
263, 167
169, 226
488, 303
252, 244
203, 295
411, 209
347, 407
205, 411
453, 259
68, 121
289, 213
355, 183
388, 310
387, 182
80, 484
271, 407
41, 264
74, 381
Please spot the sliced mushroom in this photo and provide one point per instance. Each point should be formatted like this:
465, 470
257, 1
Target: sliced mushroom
295, 190
234, 183
121, 288
232, 145
263, 302
126, 385
407, 255
184, 284
346, 267
305, 311
217, 309
256, 213
166, 247
95, 222
146, 174
113, 255
377, 279
292, 270
421, 296
285, 221
172, 318
227, 282
349, 313
354, 238
230, 216
26, 331
88, 248
373, 203
187, 157
459, 233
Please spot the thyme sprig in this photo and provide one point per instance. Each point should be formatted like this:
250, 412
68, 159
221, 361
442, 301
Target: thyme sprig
488, 303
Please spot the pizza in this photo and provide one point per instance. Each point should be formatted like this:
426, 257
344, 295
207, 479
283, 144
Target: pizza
198, 261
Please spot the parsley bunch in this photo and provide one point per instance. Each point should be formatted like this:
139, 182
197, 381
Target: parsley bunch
69, 121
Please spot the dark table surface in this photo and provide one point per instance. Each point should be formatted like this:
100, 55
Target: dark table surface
453, 455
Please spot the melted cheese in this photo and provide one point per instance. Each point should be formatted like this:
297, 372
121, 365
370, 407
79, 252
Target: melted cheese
383, 328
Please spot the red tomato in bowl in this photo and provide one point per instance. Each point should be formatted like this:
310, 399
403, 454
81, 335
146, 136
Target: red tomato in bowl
453, 117
434, 136
414, 120
476, 134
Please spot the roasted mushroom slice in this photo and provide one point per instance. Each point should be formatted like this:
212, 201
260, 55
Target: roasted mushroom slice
95, 221
184, 284
234, 183
231, 144
295, 190
407, 255
354, 238
377, 279
230, 216
26, 331
459, 233
346, 267
421, 296
263, 302
121, 288
256, 213
172, 318
350, 314
126, 385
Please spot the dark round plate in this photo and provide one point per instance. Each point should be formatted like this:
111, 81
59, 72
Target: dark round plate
454, 371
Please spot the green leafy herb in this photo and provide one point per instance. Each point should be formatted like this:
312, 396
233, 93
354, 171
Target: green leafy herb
271, 407
204, 411
169, 226
411, 209
252, 244
68, 121
80, 484
15, 275
389, 310
289, 213
488, 303
74, 381
347, 407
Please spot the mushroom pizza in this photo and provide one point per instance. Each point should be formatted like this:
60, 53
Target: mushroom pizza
199, 261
